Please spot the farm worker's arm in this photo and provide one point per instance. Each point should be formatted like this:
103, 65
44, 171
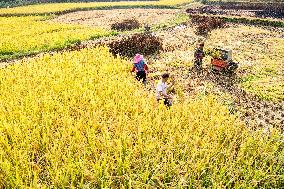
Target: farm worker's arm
165, 95
203, 53
146, 68
195, 53
133, 69
161, 93
172, 84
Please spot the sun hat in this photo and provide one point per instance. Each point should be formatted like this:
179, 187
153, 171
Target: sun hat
138, 58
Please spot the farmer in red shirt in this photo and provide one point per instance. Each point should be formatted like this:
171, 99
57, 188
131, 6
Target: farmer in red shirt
140, 67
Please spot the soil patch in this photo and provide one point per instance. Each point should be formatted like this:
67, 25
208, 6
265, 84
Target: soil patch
105, 18
260, 10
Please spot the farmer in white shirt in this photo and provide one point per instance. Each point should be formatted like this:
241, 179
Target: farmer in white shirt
162, 88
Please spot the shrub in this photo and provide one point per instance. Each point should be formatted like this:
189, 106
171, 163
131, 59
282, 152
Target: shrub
146, 44
128, 24
206, 24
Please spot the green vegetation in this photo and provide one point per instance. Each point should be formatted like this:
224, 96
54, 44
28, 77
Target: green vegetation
179, 19
254, 21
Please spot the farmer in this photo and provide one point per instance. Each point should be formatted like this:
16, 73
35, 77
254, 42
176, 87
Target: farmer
162, 88
198, 56
140, 67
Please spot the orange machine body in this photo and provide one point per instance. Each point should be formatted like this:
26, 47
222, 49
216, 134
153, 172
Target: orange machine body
219, 64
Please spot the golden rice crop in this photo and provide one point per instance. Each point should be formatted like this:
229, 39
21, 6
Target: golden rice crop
27, 35
79, 120
60, 7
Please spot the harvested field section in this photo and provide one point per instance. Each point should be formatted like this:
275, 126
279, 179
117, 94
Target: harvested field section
260, 9
105, 18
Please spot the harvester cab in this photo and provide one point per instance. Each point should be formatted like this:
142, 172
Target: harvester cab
221, 61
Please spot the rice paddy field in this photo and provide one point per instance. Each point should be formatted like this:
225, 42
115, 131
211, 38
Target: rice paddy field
72, 115
30, 35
